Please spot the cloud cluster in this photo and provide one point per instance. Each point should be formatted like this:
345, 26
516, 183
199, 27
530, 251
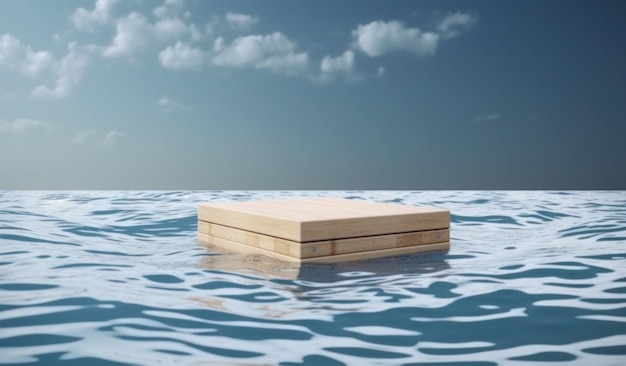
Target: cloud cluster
131, 35
89, 20
334, 67
225, 41
135, 33
274, 52
378, 38
16, 55
455, 24
180, 44
66, 73
169, 8
181, 56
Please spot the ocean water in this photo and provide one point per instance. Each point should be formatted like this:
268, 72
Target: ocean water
114, 277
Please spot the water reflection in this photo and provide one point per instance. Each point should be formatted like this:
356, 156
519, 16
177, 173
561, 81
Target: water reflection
263, 266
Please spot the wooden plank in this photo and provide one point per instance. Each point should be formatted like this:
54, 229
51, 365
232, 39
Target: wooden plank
265, 242
389, 241
248, 221
242, 248
325, 247
317, 219
445, 246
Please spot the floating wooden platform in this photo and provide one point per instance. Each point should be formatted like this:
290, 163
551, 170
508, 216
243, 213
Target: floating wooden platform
324, 230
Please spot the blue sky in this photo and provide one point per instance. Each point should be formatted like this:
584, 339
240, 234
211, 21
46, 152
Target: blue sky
190, 94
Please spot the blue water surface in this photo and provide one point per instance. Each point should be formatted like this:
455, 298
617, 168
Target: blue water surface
118, 277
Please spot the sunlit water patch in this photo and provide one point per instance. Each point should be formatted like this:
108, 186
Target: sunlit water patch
107, 278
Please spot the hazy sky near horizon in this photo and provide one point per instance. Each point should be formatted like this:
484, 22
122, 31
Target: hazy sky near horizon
283, 94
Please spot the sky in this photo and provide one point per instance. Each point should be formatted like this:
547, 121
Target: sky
325, 94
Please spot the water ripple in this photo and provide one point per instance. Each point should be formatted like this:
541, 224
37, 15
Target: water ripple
116, 278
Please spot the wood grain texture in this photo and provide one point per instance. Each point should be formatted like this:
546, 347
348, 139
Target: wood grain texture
325, 247
242, 248
349, 257
317, 219
265, 242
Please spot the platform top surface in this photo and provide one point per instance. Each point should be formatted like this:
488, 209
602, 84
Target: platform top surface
321, 209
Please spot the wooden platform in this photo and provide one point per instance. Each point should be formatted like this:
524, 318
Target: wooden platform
323, 229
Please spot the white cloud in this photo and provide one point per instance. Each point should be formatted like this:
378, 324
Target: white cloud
271, 51
218, 24
381, 72
169, 8
37, 62
68, 72
89, 20
250, 50
112, 138
339, 67
379, 37
455, 23
135, 33
171, 32
181, 56
168, 29
11, 50
132, 33
288, 64
160, 12
238, 21
23, 126
167, 104
340, 64
488, 117
15, 54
